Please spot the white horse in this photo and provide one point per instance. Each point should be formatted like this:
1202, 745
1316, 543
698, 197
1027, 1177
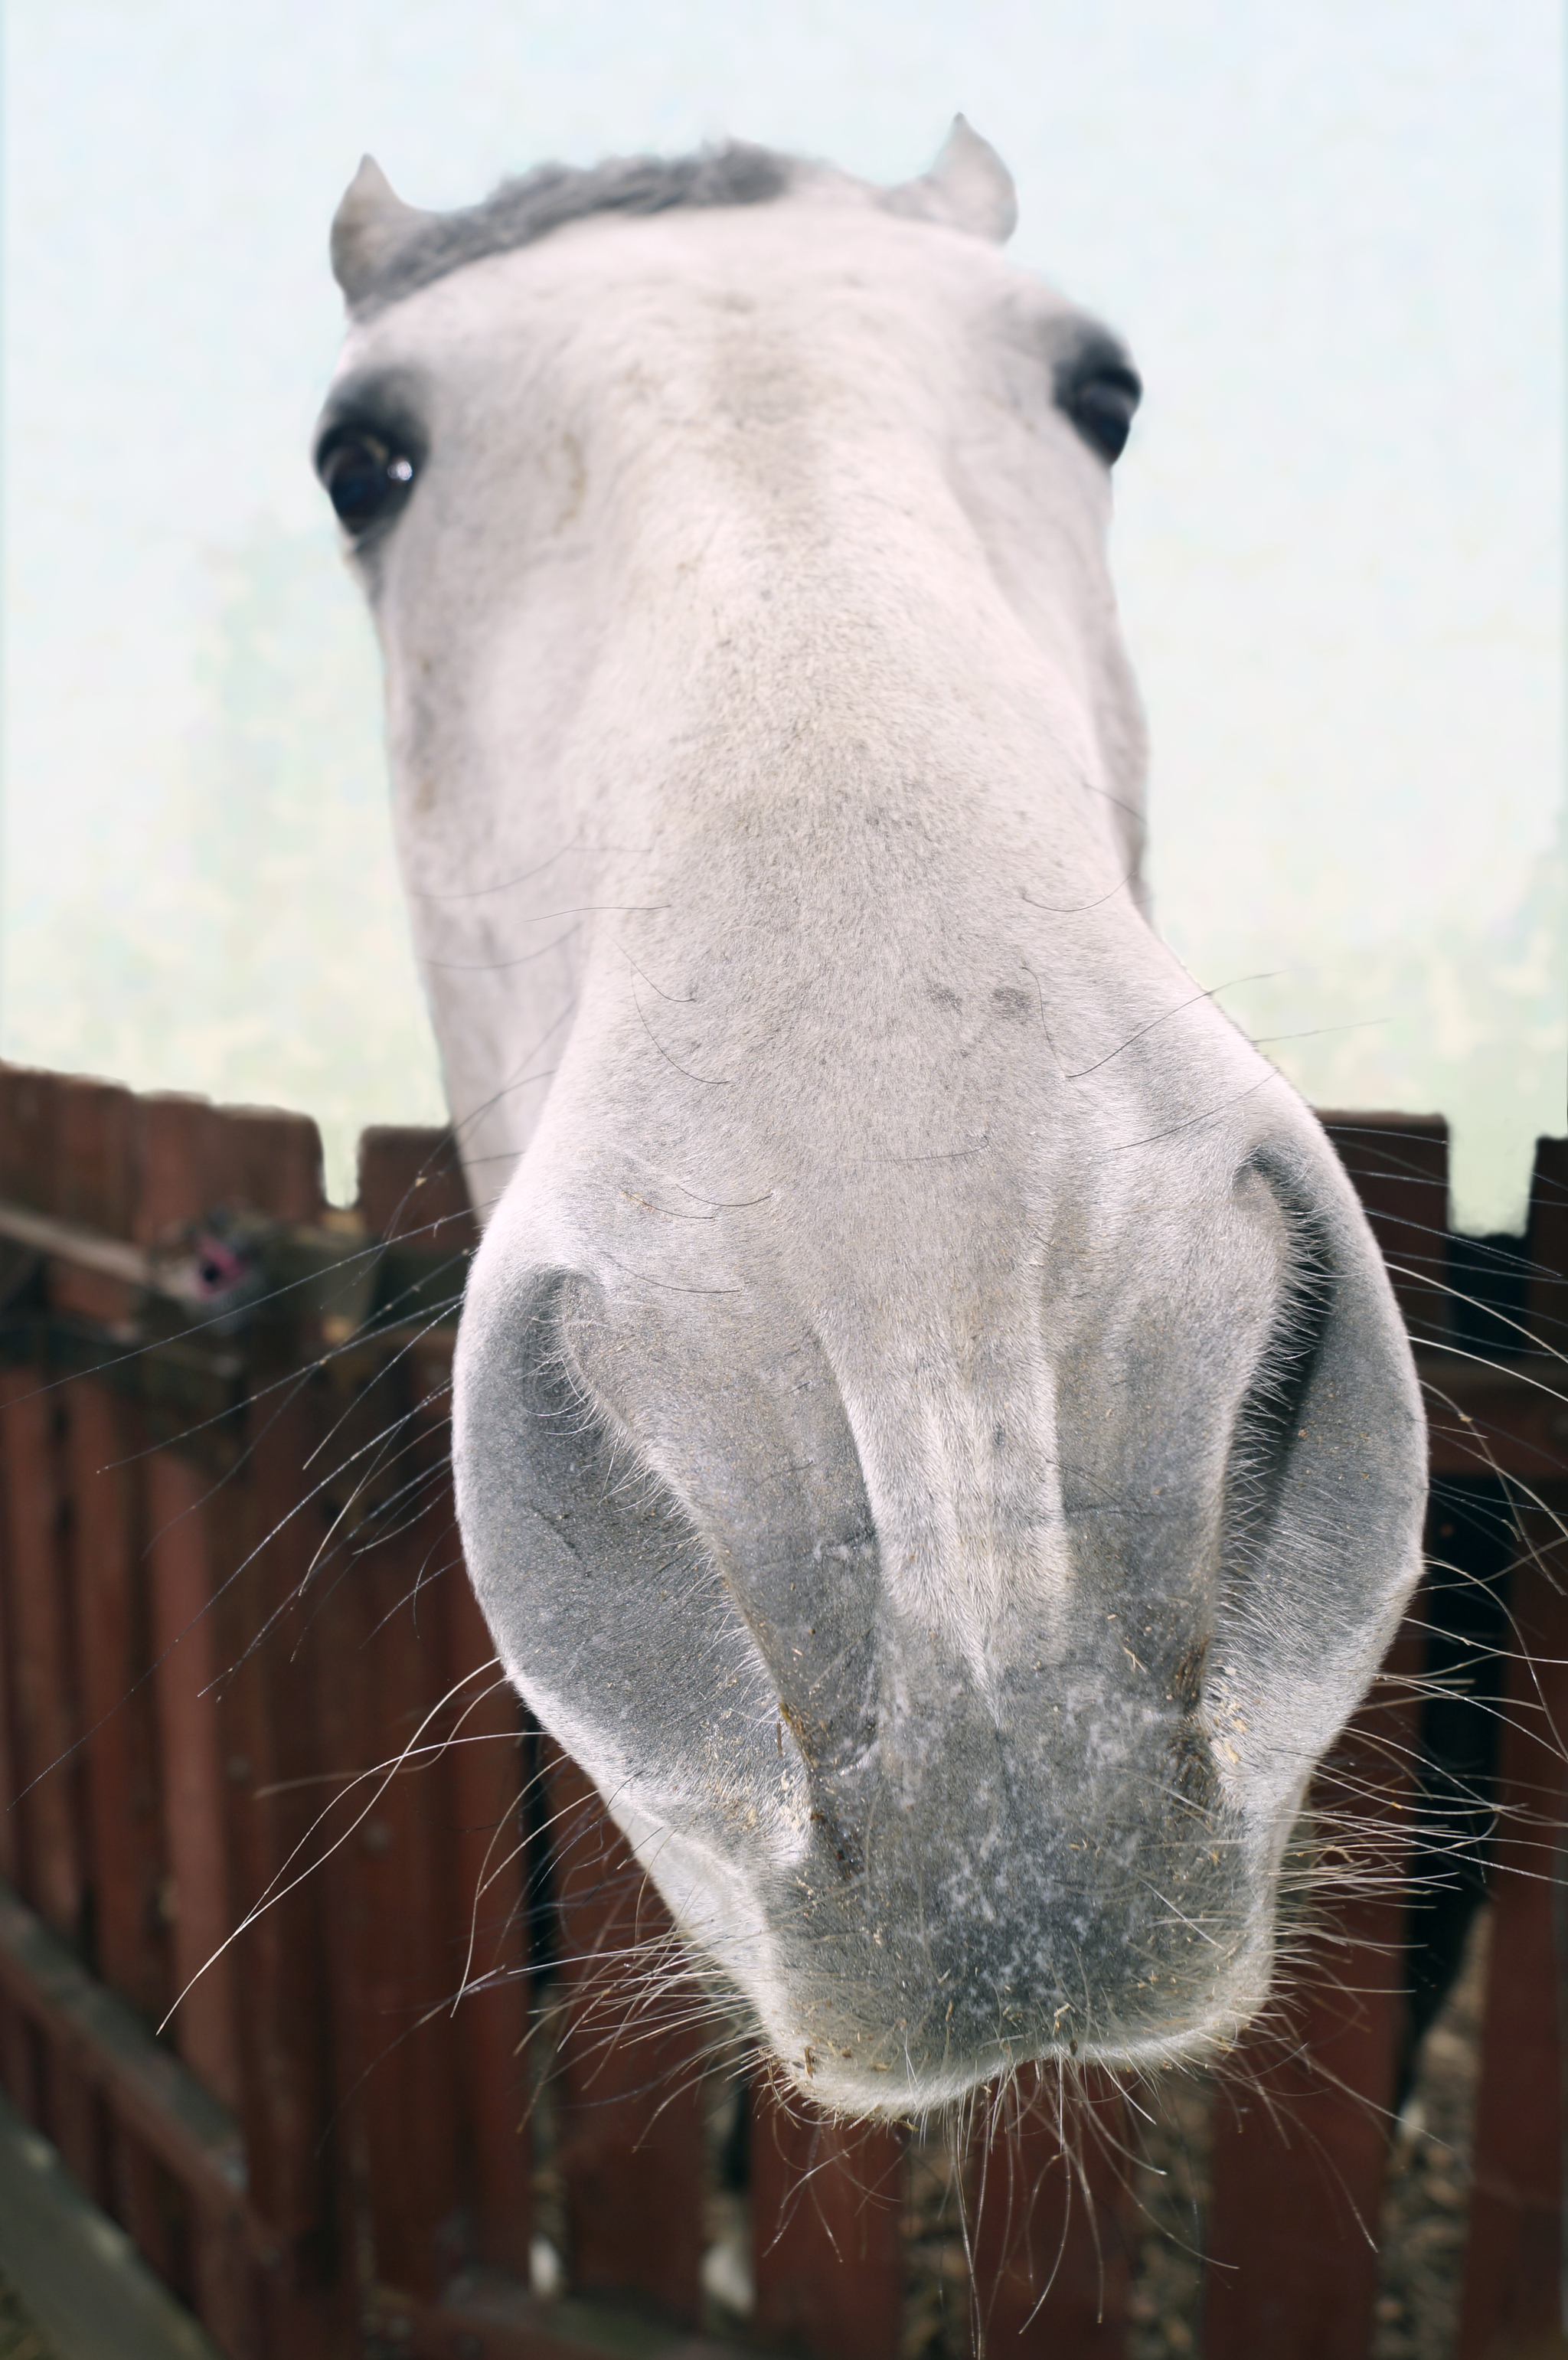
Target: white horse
933, 1436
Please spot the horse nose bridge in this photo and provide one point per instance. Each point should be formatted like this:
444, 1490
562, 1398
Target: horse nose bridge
955, 1430
876, 1402
863, 1456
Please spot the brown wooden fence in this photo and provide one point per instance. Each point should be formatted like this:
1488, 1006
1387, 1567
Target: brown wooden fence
240, 1662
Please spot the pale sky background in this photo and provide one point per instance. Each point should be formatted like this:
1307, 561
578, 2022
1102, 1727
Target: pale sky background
1331, 229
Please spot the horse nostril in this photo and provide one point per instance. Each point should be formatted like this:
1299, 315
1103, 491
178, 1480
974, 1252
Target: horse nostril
841, 1843
1187, 1675
1269, 1423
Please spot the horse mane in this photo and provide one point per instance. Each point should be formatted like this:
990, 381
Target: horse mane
522, 210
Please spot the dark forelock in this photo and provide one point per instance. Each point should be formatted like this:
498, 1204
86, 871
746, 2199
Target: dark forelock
521, 210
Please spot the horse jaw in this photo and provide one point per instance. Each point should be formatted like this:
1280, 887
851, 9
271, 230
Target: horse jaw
967, 188
372, 225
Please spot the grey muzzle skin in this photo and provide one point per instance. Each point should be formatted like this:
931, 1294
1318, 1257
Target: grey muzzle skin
912, 1861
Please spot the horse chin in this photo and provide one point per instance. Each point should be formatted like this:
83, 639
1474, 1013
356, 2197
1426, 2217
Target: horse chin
895, 2043
890, 1992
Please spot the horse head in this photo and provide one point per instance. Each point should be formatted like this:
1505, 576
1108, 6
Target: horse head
933, 1436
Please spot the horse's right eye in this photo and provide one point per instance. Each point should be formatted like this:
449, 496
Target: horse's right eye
365, 478
1101, 398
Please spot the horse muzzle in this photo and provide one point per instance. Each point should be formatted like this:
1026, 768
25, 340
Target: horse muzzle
957, 1678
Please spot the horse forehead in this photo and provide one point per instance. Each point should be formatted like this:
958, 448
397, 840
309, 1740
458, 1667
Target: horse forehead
823, 268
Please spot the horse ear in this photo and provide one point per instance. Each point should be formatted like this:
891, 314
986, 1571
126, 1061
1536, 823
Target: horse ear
968, 187
371, 226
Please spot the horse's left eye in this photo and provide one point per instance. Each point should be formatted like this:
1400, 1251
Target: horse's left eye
365, 478
1100, 401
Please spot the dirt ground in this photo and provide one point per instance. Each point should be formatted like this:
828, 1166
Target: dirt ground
1421, 2243
19, 2338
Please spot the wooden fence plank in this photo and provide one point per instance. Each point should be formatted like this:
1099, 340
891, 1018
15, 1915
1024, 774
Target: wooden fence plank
98, 1177
146, 2200
17, 2074
827, 2229
11, 1781
1398, 1165
484, 1778
411, 1186
119, 1740
43, 1673
1303, 2107
630, 2109
179, 1162
1054, 2223
1547, 1248
198, 1905
198, 1902
394, 1903
271, 1758
265, 1525
465, 1805
1512, 2302
179, 1150
96, 1133
119, 1746
396, 1927
272, 1163
29, 1137
46, 1699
